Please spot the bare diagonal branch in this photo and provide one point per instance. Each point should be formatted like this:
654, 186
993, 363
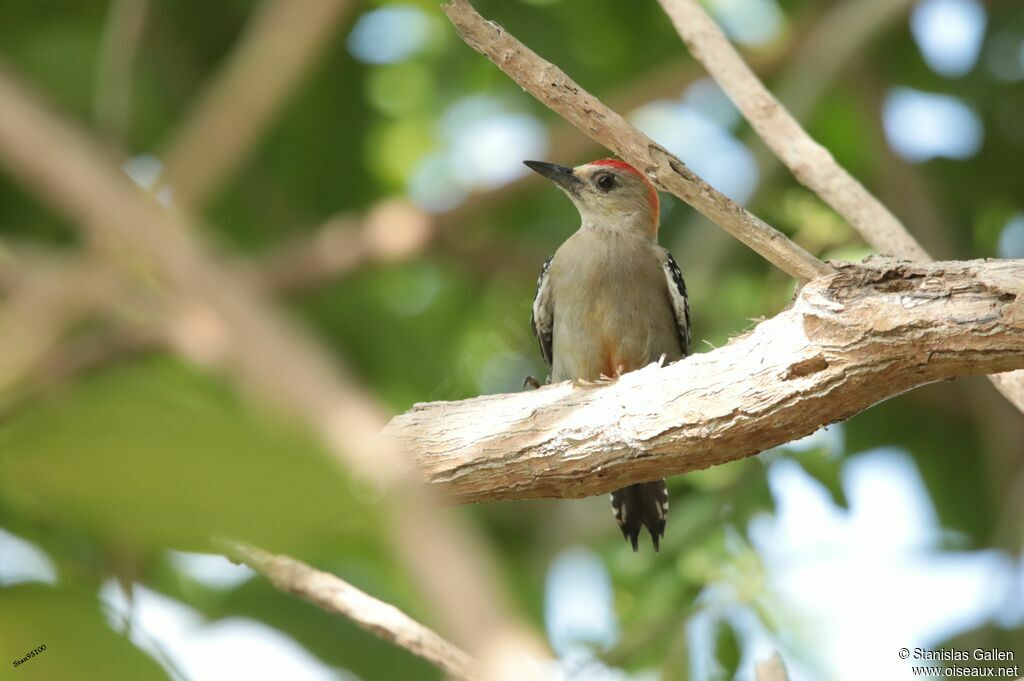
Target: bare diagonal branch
554, 88
333, 594
809, 162
126, 20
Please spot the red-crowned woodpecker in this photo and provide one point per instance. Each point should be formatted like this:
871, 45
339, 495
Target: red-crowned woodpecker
611, 300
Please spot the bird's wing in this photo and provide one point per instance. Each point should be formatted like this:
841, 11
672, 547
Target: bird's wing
680, 301
542, 319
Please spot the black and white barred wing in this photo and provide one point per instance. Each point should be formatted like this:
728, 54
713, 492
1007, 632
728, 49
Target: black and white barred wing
680, 301
542, 319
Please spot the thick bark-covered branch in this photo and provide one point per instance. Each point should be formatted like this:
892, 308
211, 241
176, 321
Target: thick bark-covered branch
848, 341
555, 89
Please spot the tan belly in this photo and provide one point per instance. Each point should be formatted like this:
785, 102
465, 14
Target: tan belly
611, 321
610, 345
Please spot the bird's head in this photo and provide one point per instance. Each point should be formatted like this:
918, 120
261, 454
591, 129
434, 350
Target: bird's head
609, 193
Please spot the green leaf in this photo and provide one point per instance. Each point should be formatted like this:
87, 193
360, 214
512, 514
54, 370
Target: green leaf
676, 666
826, 468
727, 651
753, 496
154, 455
80, 646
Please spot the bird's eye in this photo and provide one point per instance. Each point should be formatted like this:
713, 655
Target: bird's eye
605, 183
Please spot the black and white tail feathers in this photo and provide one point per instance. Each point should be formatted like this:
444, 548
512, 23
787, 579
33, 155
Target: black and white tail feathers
642, 505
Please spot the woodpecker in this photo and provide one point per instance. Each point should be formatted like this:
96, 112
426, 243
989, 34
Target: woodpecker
611, 300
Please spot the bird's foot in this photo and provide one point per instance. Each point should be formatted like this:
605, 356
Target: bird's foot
603, 379
531, 383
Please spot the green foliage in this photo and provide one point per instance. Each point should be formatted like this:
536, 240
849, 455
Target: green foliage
108, 473
152, 455
79, 643
727, 652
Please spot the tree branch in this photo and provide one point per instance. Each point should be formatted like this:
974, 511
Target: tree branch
333, 594
41, 305
389, 231
281, 42
119, 46
551, 86
336, 248
345, 243
844, 30
811, 164
848, 341
392, 230
246, 340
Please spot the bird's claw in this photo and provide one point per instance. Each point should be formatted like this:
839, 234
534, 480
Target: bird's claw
531, 383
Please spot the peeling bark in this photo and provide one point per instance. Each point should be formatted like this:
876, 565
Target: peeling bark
845, 343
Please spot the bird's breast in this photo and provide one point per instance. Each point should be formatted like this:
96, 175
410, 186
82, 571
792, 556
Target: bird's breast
612, 313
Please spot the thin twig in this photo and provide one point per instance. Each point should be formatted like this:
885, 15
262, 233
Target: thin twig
279, 46
393, 230
333, 594
126, 20
554, 88
809, 162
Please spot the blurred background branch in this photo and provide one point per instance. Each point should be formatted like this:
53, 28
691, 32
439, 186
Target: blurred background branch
126, 22
222, 324
45, 302
279, 45
341, 598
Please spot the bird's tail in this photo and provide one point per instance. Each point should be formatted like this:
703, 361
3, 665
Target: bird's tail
642, 505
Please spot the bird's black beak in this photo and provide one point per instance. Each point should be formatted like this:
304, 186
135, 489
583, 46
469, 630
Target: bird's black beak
560, 175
